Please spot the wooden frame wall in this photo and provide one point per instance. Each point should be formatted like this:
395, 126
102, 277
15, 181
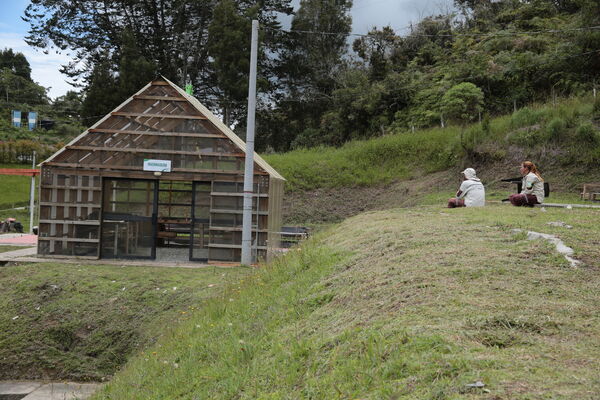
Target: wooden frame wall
159, 122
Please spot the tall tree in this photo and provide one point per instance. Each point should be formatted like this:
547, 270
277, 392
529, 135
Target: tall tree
229, 49
15, 62
171, 34
311, 62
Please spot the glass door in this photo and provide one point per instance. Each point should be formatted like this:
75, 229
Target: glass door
129, 210
200, 221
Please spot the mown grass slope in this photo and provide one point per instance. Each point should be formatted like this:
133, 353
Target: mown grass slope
404, 304
82, 322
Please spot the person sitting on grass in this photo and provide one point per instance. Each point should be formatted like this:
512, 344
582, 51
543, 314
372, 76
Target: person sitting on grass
471, 192
532, 191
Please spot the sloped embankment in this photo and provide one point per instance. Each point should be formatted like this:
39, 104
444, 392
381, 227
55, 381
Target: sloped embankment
406, 304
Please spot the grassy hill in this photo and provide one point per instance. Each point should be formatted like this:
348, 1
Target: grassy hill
403, 168
82, 322
406, 303
403, 304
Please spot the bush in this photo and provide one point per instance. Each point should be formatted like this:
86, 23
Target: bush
526, 117
586, 133
525, 137
556, 129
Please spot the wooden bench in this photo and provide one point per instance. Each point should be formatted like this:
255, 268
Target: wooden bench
591, 191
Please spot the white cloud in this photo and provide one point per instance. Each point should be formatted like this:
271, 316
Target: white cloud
44, 67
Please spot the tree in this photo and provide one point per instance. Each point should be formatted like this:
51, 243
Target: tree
310, 64
68, 105
16, 63
101, 94
172, 35
15, 89
379, 49
462, 103
229, 48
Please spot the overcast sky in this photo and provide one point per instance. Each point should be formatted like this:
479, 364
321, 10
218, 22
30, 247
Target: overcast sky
365, 15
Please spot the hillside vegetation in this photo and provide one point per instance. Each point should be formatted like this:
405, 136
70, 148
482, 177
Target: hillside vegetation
565, 135
403, 304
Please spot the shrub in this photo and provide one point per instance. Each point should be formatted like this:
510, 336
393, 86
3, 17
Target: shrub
526, 117
586, 133
525, 137
597, 107
556, 129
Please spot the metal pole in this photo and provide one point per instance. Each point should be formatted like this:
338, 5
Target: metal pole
249, 166
31, 197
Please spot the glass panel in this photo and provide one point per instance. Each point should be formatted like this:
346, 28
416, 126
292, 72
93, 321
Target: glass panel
84, 249
201, 220
199, 144
228, 164
122, 239
175, 199
200, 243
134, 198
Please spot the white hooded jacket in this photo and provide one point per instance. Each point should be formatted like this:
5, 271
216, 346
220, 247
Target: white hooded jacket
472, 189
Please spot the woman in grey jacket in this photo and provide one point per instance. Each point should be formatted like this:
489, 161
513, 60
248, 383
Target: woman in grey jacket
532, 191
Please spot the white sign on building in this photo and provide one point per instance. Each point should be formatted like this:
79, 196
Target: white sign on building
157, 165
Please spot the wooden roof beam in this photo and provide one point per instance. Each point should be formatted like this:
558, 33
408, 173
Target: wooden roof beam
160, 133
157, 151
168, 116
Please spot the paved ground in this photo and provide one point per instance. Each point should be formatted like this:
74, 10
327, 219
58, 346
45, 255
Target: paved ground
18, 239
34, 390
15, 255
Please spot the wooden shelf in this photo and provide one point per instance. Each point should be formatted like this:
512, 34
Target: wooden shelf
235, 229
68, 222
231, 194
216, 211
94, 188
80, 204
60, 239
234, 246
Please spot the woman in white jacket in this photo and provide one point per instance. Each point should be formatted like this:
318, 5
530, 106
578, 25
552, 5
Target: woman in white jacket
471, 192
532, 191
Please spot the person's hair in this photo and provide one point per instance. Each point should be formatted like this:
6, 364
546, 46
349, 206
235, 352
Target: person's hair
532, 168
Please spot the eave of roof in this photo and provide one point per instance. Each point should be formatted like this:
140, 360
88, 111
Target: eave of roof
225, 129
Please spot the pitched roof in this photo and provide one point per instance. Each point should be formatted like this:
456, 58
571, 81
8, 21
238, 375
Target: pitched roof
205, 112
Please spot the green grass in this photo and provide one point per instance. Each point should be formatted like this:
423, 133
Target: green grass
4, 249
405, 304
564, 136
15, 189
82, 322
368, 162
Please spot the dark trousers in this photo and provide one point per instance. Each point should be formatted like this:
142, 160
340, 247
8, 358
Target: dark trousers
523, 200
454, 202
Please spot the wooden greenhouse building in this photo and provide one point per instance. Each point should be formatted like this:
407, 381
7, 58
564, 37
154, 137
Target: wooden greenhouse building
161, 178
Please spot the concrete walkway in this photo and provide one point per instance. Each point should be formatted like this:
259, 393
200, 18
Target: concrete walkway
16, 255
33, 390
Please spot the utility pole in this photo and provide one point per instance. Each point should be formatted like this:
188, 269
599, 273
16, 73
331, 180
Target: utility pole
32, 196
249, 165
